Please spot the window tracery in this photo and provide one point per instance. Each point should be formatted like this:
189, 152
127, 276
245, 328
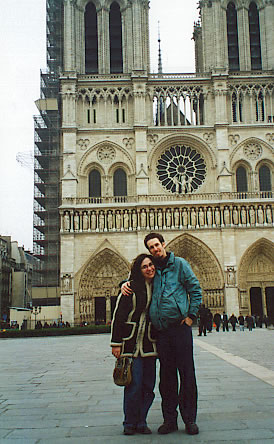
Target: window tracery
181, 169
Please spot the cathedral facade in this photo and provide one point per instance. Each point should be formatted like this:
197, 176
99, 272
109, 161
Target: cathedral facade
186, 155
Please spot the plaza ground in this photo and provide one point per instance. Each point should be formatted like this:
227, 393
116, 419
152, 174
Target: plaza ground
59, 390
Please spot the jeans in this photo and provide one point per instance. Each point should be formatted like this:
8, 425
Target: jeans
139, 395
175, 350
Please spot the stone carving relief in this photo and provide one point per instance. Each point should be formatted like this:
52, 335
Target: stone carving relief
270, 137
128, 142
230, 276
233, 139
152, 138
208, 137
106, 154
252, 151
83, 143
187, 218
66, 283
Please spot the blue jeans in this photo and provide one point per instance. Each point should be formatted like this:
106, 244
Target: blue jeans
175, 350
139, 395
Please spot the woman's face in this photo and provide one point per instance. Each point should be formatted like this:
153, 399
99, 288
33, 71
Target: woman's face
147, 269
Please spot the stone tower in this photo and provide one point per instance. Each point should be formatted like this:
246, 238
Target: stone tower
190, 156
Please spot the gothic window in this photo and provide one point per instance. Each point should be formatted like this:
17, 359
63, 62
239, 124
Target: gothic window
115, 38
260, 107
264, 178
254, 35
120, 183
181, 169
91, 39
237, 108
241, 179
94, 184
232, 37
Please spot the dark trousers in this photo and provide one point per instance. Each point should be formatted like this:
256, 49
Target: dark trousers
175, 350
139, 395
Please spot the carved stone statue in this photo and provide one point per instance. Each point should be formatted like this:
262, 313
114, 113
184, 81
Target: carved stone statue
268, 214
76, 222
185, 217
227, 216
235, 216
110, 220
201, 218
118, 220
217, 216
243, 215
66, 221
93, 220
126, 220
209, 217
168, 218
176, 218
143, 219
134, 220
151, 219
260, 215
85, 221
252, 215
101, 221
193, 218
160, 219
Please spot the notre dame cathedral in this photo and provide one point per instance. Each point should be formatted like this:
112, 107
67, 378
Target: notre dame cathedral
186, 155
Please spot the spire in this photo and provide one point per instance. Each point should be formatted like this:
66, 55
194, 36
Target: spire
160, 67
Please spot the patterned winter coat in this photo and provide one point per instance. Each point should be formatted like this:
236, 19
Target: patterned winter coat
131, 323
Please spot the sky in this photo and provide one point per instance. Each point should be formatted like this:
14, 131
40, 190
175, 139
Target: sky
23, 54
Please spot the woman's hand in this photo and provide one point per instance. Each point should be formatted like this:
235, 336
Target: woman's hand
125, 289
116, 351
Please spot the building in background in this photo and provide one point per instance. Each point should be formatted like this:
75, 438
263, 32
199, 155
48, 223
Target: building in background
188, 155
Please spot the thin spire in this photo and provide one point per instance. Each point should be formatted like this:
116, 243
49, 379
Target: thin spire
160, 66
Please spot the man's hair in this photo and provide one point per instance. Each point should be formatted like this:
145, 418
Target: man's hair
153, 236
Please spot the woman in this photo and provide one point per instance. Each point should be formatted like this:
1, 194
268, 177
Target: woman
132, 337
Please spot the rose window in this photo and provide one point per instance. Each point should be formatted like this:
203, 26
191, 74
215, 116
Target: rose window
181, 169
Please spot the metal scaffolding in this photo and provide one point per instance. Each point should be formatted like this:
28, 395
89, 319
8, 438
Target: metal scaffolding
46, 227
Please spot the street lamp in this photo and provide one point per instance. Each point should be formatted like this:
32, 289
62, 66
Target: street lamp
35, 311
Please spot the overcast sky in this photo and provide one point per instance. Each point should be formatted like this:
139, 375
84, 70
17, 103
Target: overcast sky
23, 54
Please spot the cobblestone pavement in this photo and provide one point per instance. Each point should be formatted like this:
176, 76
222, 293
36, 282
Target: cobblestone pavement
60, 391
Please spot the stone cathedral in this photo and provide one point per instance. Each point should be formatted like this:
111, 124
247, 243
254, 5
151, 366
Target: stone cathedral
186, 155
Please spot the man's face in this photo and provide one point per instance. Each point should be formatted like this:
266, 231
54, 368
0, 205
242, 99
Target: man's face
156, 248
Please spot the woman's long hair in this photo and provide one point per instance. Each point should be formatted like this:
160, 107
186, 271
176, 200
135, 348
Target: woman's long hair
136, 277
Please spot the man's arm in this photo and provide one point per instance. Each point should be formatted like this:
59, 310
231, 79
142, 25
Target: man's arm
125, 289
192, 285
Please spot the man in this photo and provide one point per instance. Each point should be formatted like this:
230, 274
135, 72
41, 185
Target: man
175, 301
225, 322
203, 319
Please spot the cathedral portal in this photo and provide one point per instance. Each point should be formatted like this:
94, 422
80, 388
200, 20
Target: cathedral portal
98, 287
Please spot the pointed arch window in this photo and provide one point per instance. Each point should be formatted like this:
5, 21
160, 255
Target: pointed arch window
265, 178
232, 37
91, 39
120, 183
94, 183
254, 36
115, 39
241, 180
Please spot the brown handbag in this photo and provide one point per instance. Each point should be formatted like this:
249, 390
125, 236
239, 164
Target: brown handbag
122, 374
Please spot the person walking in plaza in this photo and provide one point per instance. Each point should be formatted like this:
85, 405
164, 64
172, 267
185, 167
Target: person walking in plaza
132, 336
203, 319
175, 301
217, 321
241, 321
233, 321
225, 322
250, 322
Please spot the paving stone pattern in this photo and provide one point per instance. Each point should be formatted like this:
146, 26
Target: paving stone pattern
60, 391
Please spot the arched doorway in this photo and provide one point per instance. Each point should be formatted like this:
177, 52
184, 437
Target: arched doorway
99, 287
205, 266
256, 282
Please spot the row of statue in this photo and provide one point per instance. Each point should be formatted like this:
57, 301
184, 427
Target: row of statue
165, 218
213, 298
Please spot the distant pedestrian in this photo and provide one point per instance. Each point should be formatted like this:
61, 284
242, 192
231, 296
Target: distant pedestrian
241, 321
203, 319
225, 322
233, 321
209, 321
250, 322
217, 320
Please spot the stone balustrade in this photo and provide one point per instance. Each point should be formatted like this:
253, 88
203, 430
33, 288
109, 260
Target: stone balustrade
168, 217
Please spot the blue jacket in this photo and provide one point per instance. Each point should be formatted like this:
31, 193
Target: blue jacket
176, 293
